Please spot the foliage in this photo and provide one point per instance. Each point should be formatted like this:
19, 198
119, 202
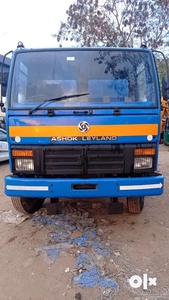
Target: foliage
116, 23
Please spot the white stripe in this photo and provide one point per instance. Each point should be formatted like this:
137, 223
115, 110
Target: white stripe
27, 188
141, 187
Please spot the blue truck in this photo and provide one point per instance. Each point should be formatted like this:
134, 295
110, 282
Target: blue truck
82, 123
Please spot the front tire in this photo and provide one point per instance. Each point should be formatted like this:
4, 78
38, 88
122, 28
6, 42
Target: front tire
135, 204
27, 205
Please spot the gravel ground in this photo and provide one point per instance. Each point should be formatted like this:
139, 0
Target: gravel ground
137, 245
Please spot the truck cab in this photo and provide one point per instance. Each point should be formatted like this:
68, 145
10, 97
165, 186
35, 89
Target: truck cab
83, 123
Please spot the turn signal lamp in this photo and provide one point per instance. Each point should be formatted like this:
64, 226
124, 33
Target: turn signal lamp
151, 151
16, 153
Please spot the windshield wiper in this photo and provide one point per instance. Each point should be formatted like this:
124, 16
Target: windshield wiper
56, 99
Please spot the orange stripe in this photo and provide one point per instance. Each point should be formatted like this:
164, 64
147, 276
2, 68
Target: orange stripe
95, 130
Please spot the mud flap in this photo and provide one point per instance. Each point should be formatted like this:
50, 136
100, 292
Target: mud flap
115, 208
54, 208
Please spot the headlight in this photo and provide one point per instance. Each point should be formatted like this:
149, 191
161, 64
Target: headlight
143, 163
24, 164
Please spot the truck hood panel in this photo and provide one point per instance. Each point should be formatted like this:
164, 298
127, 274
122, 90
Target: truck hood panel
83, 129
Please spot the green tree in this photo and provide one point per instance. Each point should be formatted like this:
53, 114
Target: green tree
116, 23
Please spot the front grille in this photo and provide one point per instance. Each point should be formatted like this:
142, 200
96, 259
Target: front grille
84, 160
60, 161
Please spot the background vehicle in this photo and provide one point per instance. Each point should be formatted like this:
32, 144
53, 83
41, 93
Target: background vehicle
82, 123
2, 122
166, 132
3, 146
164, 116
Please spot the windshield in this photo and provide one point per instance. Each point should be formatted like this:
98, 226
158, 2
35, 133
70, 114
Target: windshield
113, 78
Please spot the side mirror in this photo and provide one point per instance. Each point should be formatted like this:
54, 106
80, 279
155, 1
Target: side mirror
4, 82
3, 91
3, 109
1, 103
165, 88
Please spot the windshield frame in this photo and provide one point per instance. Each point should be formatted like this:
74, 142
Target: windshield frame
76, 107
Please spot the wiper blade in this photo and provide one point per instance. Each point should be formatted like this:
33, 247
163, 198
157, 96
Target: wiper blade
56, 99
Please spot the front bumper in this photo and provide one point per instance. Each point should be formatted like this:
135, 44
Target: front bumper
99, 187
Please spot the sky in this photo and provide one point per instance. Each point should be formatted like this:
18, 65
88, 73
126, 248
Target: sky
31, 21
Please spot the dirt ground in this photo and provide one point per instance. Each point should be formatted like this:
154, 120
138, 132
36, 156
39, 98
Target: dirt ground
138, 244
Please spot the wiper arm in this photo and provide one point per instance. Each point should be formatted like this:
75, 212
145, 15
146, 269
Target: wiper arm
56, 99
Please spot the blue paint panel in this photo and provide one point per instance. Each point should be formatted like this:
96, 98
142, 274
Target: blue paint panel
47, 141
127, 111
144, 50
74, 120
62, 188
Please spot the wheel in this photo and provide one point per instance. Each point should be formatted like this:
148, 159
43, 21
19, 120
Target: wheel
135, 204
27, 205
